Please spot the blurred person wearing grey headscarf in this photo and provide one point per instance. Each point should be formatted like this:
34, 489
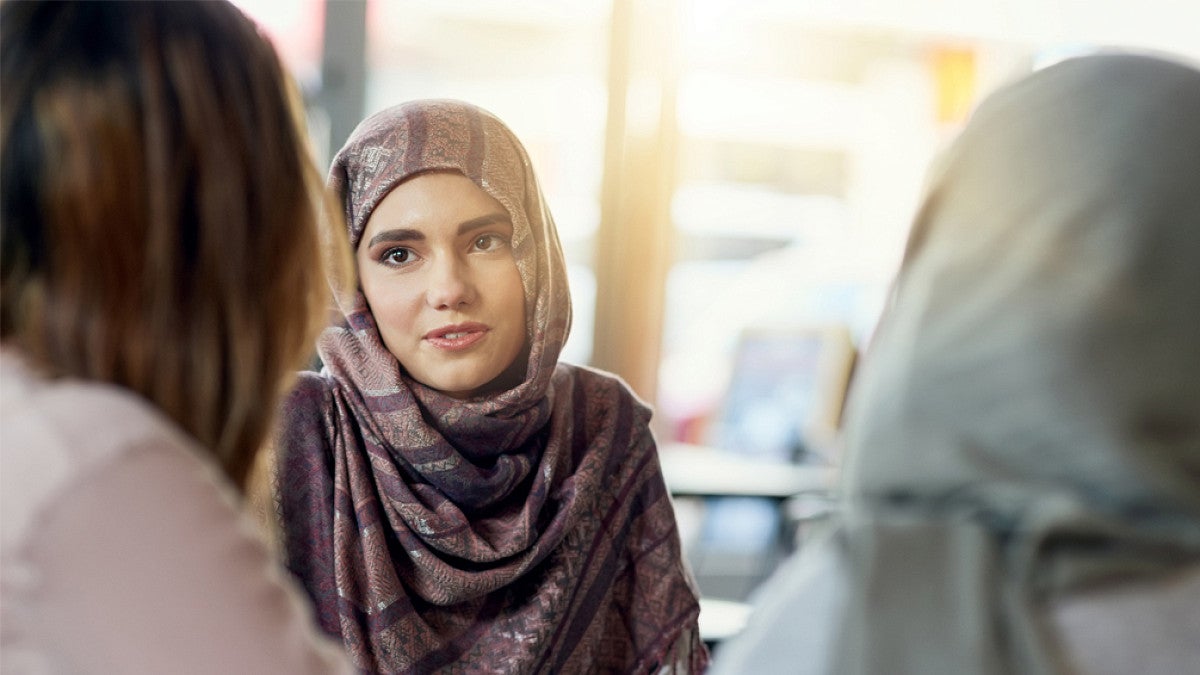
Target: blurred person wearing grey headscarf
1022, 487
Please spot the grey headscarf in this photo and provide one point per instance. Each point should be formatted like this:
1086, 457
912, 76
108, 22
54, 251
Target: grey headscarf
1027, 424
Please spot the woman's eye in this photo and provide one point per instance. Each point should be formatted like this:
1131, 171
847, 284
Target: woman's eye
398, 256
489, 242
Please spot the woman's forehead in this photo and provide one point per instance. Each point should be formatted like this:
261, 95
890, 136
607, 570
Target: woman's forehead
441, 201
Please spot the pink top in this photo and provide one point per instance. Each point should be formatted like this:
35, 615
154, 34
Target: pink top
122, 548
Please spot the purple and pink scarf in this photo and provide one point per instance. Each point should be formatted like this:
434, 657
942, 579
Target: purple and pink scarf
525, 531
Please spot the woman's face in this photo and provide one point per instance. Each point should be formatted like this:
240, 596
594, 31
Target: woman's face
436, 265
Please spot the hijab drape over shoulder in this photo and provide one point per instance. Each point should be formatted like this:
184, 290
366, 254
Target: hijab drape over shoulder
522, 531
1027, 424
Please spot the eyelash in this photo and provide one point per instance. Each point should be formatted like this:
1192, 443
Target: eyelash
498, 242
387, 255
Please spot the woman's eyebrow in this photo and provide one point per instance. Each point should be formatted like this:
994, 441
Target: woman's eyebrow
483, 221
406, 234
394, 236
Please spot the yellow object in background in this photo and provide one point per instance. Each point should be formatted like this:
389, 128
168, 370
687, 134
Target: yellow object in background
954, 75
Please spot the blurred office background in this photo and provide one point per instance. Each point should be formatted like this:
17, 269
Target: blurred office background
714, 166
711, 164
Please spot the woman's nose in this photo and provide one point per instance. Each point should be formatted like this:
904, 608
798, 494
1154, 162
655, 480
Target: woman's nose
450, 285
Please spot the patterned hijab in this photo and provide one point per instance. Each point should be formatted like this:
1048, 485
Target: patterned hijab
1027, 424
494, 534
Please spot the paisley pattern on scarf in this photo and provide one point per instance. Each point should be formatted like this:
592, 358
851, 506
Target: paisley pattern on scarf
523, 531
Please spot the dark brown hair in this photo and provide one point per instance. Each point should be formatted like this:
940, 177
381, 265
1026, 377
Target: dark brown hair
162, 222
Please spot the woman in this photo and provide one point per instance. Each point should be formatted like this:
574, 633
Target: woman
452, 496
157, 291
1023, 488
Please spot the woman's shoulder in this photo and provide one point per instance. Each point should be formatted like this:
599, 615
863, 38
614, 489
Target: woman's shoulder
601, 381
83, 420
600, 395
310, 398
57, 431
92, 472
311, 386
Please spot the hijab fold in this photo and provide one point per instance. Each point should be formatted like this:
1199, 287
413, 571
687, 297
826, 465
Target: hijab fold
521, 531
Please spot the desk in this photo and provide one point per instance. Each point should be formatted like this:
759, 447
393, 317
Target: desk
693, 471
699, 471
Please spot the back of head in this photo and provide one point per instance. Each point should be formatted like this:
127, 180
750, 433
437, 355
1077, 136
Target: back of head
1042, 324
1027, 423
160, 210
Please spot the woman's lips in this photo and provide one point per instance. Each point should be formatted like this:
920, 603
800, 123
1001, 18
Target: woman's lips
457, 337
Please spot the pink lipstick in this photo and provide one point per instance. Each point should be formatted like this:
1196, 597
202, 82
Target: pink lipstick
456, 337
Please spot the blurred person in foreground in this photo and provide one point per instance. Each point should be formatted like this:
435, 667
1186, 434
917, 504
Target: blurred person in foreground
1022, 492
163, 274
